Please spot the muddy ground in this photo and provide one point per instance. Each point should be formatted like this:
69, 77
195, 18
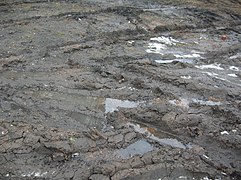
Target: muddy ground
120, 89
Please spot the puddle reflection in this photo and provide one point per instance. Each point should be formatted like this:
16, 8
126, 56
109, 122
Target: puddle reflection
162, 141
112, 105
138, 148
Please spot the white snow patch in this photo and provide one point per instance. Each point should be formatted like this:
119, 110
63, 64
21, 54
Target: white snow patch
75, 155
206, 178
186, 77
131, 42
165, 40
206, 156
34, 174
125, 87
223, 173
224, 133
238, 55
234, 68
194, 55
211, 74
232, 75
156, 48
210, 66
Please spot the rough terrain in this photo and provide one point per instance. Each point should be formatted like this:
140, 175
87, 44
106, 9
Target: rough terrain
120, 89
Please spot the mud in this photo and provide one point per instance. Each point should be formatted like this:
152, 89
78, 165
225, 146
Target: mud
120, 89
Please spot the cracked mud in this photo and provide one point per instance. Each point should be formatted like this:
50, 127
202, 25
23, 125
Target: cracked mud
98, 89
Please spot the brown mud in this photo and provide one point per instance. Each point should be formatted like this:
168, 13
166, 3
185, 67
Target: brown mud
120, 89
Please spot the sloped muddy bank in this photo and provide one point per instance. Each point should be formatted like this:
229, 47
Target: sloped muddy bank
120, 89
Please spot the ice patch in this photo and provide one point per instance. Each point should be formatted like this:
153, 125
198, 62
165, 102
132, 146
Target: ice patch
210, 66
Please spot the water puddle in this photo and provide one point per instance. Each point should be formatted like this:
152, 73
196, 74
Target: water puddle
69, 101
190, 61
88, 110
179, 173
88, 120
184, 103
168, 141
112, 105
138, 148
75, 101
206, 103
162, 141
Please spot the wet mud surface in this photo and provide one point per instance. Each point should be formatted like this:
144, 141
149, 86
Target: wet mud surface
98, 89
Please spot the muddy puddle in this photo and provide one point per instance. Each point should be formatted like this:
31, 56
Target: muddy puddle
120, 89
161, 137
79, 107
138, 148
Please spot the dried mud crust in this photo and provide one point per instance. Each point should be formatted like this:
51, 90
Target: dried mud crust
99, 89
